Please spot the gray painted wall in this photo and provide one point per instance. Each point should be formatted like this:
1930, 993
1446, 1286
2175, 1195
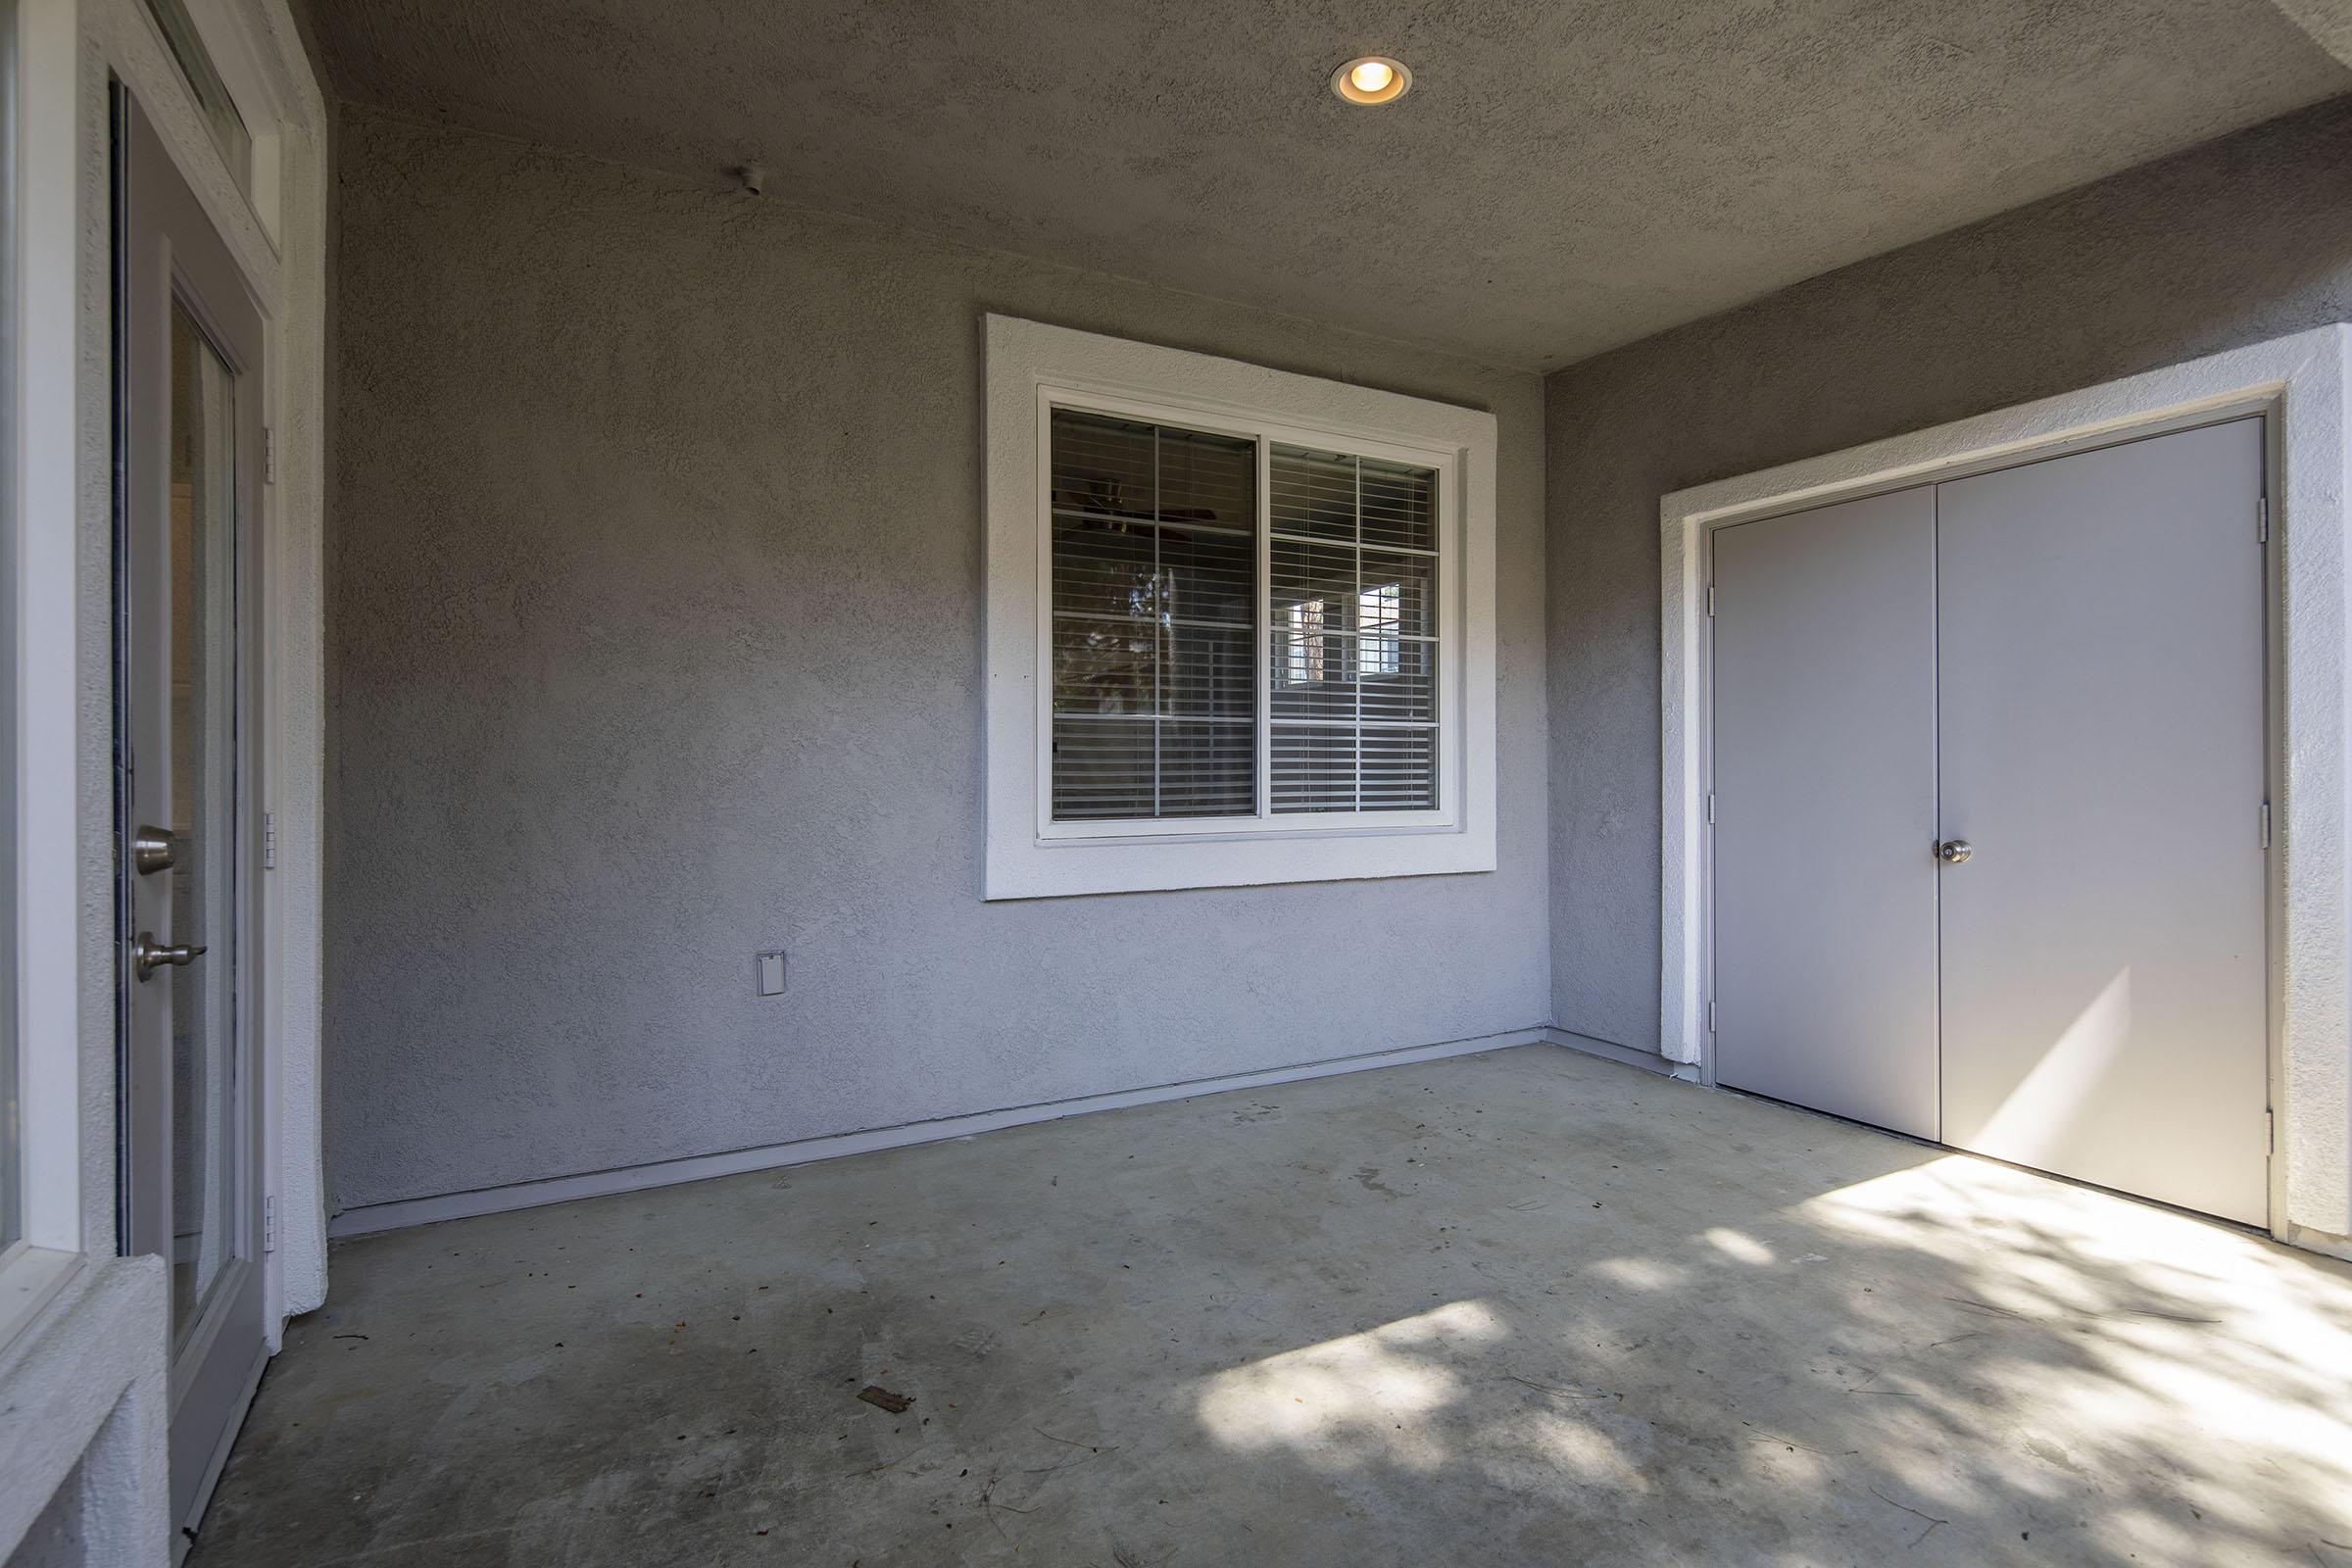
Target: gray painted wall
655, 616
2245, 239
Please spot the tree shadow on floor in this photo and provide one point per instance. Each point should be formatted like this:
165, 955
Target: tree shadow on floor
1518, 1308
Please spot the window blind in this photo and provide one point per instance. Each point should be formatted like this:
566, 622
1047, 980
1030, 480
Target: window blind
1352, 601
1156, 599
1155, 596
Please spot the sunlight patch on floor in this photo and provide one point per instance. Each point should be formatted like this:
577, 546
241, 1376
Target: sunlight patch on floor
1739, 1247
1642, 1273
1405, 1394
1362, 1390
2165, 1317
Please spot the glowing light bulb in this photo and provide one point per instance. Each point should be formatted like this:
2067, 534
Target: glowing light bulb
1372, 80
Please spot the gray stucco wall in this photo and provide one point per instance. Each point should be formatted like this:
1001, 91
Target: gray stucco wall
2242, 240
654, 621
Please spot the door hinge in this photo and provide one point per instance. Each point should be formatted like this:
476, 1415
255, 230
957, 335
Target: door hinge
2270, 1132
1710, 1017
268, 456
1710, 600
268, 1224
1710, 805
2262, 519
268, 841
2266, 825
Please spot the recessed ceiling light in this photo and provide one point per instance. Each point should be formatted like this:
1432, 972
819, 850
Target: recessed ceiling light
1372, 80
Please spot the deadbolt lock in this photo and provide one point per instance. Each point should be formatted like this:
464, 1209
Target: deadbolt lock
151, 850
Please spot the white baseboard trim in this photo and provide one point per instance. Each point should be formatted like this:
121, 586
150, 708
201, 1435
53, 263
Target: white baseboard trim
403, 1212
2312, 1241
1610, 1051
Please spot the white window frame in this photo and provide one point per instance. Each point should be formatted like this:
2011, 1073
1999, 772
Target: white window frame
1033, 368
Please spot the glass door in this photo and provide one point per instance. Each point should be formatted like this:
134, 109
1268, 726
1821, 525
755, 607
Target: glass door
188, 401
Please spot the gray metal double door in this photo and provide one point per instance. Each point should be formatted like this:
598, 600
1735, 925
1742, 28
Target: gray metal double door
1991, 828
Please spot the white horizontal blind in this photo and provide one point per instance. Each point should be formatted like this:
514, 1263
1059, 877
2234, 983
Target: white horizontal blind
1154, 614
1353, 619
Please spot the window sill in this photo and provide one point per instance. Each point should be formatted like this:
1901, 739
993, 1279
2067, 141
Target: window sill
1052, 868
1240, 829
30, 1278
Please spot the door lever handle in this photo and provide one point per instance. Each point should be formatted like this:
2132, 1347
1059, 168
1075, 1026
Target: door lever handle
1951, 852
148, 954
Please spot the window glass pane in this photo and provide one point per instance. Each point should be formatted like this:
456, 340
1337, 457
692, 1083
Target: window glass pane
1320, 578
1154, 619
1315, 670
1155, 604
1400, 505
1313, 768
1311, 493
1399, 770
1209, 576
1102, 767
1206, 671
1209, 479
1103, 566
1205, 770
1396, 594
1104, 666
1102, 467
1407, 688
205, 86
1354, 621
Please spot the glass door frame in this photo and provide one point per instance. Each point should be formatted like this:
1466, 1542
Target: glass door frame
169, 254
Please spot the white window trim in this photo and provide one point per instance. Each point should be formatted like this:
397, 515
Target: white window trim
2303, 383
1033, 368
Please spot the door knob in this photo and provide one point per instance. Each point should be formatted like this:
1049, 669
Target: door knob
148, 954
1951, 852
151, 851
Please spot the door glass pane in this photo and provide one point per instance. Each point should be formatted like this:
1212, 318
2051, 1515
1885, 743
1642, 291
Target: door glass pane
203, 891
12, 1116
205, 86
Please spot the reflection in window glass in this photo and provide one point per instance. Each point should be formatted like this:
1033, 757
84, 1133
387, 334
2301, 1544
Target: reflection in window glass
1352, 554
1154, 620
1159, 600
1376, 613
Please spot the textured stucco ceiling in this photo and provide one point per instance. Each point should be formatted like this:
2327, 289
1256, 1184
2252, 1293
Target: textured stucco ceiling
1566, 175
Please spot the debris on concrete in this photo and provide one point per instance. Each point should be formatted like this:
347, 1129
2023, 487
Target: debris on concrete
895, 1403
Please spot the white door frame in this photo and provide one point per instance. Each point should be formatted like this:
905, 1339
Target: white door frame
278, 237
82, 1360
2299, 382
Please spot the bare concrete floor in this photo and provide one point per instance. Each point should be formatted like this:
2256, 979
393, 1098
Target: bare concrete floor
1519, 1308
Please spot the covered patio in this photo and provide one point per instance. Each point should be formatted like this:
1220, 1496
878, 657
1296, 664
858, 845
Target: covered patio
1161, 786
1568, 1309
